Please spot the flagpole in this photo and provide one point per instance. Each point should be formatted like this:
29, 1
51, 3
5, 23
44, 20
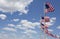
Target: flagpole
44, 22
41, 29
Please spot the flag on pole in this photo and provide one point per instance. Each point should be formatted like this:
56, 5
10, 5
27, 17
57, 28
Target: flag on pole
43, 20
48, 7
48, 33
46, 19
43, 25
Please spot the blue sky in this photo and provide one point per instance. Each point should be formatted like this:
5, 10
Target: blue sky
20, 19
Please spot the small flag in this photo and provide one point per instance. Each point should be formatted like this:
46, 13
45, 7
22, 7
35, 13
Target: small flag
52, 35
43, 20
46, 19
48, 7
48, 33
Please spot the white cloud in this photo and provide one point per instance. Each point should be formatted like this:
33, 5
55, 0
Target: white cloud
15, 5
58, 36
53, 19
8, 36
3, 36
29, 24
11, 25
3, 16
30, 31
49, 24
21, 27
27, 27
58, 27
50, 30
9, 29
16, 20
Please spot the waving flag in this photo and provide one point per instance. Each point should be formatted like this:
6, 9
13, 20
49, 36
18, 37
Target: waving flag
48, 33
46, 19
43, 20
48, 7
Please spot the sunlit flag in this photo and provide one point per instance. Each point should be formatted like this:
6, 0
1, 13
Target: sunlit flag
48, 33
46, 19
48, 7
43, 20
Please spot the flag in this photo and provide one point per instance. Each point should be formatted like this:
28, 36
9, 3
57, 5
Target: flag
46, 19
48, 7
43, 20
49, 34
52, 35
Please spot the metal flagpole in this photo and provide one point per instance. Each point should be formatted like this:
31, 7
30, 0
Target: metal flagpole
44, 23
41, 29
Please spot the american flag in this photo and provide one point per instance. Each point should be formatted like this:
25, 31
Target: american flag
48, 7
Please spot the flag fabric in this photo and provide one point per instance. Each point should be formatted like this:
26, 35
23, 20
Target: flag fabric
48, 7
48, 33
43, 20
46, 19
43, 25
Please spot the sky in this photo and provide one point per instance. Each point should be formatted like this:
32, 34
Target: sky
20, 19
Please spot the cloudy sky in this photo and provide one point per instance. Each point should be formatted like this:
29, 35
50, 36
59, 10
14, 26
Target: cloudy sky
20, 19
